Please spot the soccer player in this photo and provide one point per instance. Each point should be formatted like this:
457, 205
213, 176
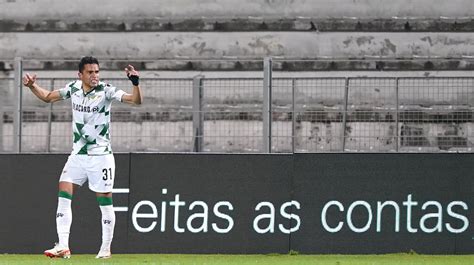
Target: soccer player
91, 158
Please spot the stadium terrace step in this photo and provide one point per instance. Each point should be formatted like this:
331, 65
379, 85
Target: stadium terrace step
241, 24
288, 65
218, 10
292, 51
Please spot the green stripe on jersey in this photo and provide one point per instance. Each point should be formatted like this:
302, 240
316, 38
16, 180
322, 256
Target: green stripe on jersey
79, 126
74, 90
99, 88
105, 130
104, 201
83, 150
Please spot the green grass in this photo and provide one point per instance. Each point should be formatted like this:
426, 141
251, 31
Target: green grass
179, 259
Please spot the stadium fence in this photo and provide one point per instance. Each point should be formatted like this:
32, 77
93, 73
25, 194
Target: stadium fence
257, 115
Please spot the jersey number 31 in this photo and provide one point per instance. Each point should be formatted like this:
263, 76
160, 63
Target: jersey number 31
107, 173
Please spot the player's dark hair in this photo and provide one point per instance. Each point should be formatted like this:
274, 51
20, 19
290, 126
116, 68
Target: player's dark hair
87, 60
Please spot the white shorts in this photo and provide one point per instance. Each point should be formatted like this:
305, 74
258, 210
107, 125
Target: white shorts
98, 170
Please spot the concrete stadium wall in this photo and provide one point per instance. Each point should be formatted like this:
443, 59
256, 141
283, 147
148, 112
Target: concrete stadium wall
150, 30
170, 9
244, 45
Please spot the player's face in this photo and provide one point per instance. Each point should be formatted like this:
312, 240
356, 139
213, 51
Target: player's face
90, 75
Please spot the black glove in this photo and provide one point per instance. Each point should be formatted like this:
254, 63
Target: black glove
135, 79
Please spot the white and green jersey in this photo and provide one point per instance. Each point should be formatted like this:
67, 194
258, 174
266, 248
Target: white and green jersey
91, 116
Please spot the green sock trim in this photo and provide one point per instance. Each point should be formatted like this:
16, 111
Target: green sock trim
104, 201
64, 194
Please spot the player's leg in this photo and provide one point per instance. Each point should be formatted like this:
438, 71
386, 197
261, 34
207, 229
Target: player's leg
72, 177
101, 180
63, 221
64, 212
108, 223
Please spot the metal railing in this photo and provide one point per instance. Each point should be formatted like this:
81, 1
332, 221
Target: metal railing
246, 115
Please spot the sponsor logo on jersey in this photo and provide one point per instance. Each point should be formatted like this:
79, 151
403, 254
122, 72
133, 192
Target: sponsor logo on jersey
82, 108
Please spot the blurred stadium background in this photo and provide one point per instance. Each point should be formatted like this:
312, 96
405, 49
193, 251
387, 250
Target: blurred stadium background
261, 76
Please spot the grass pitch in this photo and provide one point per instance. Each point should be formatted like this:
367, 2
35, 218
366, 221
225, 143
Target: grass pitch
182, 259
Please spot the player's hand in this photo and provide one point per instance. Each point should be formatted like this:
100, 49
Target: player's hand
132, 74
29, 80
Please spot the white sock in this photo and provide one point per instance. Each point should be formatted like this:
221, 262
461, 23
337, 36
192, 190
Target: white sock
108, 224
63, 221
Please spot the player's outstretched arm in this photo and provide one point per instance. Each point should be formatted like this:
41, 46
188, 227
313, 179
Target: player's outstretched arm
136, 96
43, 94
